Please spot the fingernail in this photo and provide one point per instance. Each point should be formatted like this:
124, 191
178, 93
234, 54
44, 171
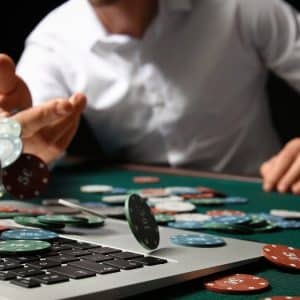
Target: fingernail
63, 109
267, 187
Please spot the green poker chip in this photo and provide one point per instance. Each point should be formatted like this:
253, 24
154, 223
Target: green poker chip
91, 221
164, 219
269, 227
23, 247
10, 215
34, 222
204, 201
61, 219
142, 222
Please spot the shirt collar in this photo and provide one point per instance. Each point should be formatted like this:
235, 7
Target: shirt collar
93, 31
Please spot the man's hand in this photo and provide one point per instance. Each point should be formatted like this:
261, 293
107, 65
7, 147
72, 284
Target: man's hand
282, 172
48, 129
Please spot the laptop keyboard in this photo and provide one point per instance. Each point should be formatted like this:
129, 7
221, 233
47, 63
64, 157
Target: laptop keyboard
69, 259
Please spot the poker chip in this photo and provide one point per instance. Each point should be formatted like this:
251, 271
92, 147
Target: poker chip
118, 191
62, 210
152, 201
187, 225
235, 200
27, 178
232, 220
225, 212
4, 228
197, 240
207, 202
270, 226
163, 218
96, 188
153, 193
141, 222
282, 298
60, 219
54, 202
34, 222
238, 283
28, 234
179, 190
10, 149
12, 247
192, 217
8, 209
91, 221
146, 179
175, 207
114, 199
282, 256
10, 215
10, 127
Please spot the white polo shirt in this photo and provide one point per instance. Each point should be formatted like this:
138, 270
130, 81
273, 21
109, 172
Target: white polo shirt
191, 92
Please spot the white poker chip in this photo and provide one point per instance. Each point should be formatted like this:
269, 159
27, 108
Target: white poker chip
114, 199
96, 188
10, 127
180, 190
195, 217
175, 206
156, 200
10, 149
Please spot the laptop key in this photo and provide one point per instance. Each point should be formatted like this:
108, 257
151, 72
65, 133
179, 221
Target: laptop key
48, 254
124, 264
44, 264
25, 259
26, 282
76, 252
64, 258
73, 272
150, 260
126, 255
94, 267
105, 250
27, 271
7, 264
60, 247
7, 275
98, 257
85, 246
51, 278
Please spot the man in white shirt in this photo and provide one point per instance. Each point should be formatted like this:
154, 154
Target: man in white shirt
174, 81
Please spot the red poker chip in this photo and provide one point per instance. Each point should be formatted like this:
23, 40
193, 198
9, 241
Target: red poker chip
154, 193
7, 209
282, 298
238, 283
198, 196
283, 256
225, 212
4, 228
146, 179
27, 178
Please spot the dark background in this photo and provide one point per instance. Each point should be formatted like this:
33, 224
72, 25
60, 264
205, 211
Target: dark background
18, 18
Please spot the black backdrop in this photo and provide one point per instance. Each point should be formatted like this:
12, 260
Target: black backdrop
18, 18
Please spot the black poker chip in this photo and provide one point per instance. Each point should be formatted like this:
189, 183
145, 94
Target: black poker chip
142, 222
27, 178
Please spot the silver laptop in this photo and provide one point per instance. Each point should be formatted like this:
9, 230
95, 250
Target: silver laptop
175, 264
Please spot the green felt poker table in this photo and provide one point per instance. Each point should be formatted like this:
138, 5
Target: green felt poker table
66, 182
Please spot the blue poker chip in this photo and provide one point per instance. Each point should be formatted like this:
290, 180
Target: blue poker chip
268, 217
197, 240
288, 224
232, 220
235, 200
192, 225
118, 191
28, 234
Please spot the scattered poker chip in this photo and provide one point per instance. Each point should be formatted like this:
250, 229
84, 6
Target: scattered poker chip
238, 283
11, 215
54, 202
27, 178
197, 240
118, 191
141, 222
23, 247
4, 228
270, 226
163, 218
232, 220
225, 212
10, 127
282, 256
114, 199
288, 224
235, 200
282, 298
61, 219
7, 209
152, 201
29, 234
179, 190
91, 221
187, 225
10, 149
192, 217
96, 188
146, 179
175, 207
207, 202
34, 222
153, 193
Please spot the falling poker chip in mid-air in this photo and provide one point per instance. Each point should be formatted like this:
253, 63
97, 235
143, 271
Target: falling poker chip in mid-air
11, 148
27, 178
197, 240
141, 222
